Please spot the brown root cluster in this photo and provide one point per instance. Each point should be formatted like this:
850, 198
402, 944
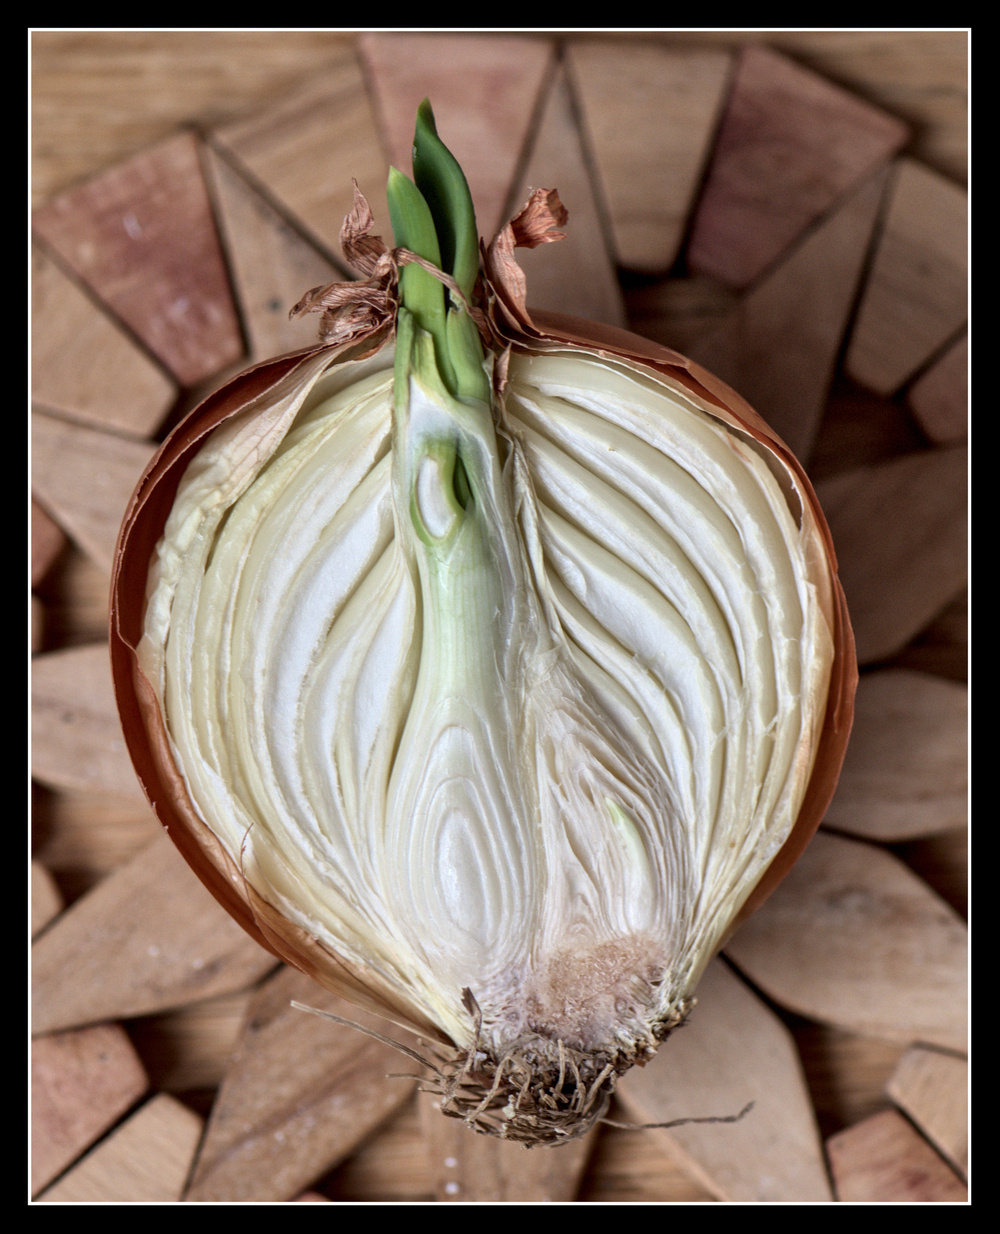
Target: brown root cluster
538, 1091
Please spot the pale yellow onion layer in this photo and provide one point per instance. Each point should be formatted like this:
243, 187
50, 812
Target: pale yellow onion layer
678, 627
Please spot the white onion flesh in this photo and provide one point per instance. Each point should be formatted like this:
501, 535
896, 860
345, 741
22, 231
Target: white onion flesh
550, 773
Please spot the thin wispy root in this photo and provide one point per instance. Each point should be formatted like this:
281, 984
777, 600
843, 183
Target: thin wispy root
539, 1091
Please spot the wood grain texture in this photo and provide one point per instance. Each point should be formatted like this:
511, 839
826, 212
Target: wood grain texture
649, 162
484, 92
916, 295
146, 1160
906, 771
299, 1095
885, 1161
852, 937
900, 530
731, 1053
779, 345
576, 275
82, 1082
279, 122
791, 144
84, 478
146, 938
142, 236
932, 1089
84, 365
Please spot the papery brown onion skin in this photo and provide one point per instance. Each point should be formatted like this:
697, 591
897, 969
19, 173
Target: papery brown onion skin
143, 723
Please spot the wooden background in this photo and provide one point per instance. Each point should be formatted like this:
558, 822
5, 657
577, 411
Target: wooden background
788, 207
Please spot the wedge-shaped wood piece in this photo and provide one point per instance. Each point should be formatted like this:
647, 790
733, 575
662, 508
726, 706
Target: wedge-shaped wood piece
733, 1051
790, 145
85, 477
76, 736
932, 1088
940, 397
144, 1161
304, 150
467, 1168
779, 346
273, 265
576, 274
146, 938
916, 296
900, 531
84, 365
883, 1160
649, 116
46, 898
854, 938
905, 775
141, 236
300, 1094
484, 89
47, 541
82, 1082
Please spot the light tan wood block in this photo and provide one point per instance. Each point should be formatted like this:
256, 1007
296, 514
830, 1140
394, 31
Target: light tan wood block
82, 1082
940, 397
76, 736
900, 531
85, 478
883, 1160
779, 346
932, 1088
916, 296
273, 265
299, 1095
905, 774
790, 145
483, 88
649, 116
303, 150
148, 937
854, 938
84, 365
732, 1051
144, 1161
142, 237
576, 274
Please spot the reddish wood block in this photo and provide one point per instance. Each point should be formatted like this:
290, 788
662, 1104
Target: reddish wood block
791, 144
484, 89
144, 1161
142, 237
885, 1161
81, 1083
